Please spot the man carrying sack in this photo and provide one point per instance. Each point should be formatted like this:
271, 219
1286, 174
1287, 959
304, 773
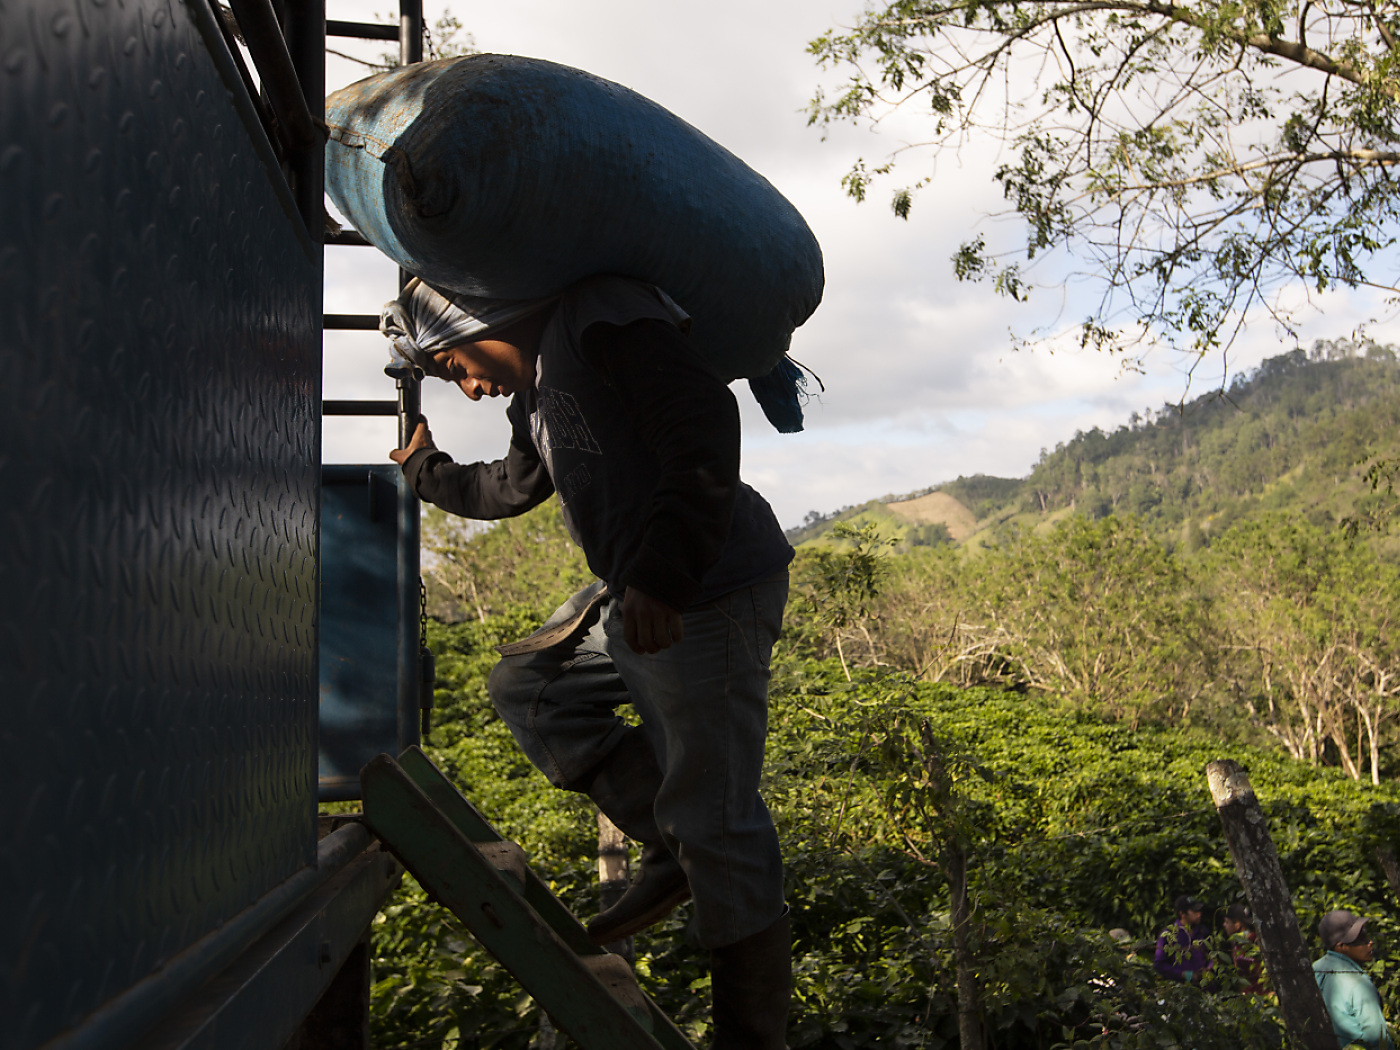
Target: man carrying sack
613, 410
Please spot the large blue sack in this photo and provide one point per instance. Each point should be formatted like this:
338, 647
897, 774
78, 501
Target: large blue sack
512, 177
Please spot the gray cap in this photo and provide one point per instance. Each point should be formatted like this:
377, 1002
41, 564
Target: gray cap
1340, 927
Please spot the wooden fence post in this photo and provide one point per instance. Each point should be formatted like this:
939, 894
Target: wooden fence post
613, 878
970, 1036
1285, 955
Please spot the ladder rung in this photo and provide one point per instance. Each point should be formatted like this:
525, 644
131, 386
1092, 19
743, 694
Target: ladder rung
478, 830
362, 30
421, 816
587, 1000
353, 322
359, 408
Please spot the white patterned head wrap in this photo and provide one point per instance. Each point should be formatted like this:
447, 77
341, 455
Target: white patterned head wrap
422, 321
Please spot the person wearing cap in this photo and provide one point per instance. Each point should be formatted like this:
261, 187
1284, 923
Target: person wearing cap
611, 409
1244, 948
1352, 1001
1181, 947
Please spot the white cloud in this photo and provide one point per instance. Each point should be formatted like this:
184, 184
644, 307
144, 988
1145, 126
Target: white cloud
923, 382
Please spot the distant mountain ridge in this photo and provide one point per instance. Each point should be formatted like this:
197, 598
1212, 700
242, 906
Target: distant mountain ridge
1294, 434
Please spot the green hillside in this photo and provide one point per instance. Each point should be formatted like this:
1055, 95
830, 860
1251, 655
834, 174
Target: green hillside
1292, 436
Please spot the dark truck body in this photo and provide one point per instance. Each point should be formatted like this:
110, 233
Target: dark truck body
165, 880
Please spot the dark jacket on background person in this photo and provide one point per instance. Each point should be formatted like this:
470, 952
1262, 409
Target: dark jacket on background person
1244, 952
1181, 952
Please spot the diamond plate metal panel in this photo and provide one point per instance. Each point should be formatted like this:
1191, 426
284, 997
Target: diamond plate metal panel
159, 471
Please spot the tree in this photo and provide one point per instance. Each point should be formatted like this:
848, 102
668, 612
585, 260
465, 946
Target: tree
1194, 159
479, 570
1313, 618
842, 585
1102, 614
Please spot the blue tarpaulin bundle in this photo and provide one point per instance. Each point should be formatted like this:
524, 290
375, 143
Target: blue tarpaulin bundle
513, 177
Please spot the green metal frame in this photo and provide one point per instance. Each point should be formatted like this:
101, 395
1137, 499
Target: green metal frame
589, 993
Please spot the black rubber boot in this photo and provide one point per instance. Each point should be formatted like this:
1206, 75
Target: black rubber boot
624, 787
751, 985
659, 888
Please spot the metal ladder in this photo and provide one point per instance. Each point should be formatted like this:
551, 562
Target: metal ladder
409, 34
415, 669
466, 866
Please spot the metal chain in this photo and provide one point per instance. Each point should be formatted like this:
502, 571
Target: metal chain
422, 613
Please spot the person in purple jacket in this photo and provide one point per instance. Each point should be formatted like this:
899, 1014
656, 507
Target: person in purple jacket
612, 409
1181, 947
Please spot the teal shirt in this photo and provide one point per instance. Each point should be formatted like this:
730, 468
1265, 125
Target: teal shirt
1352, 1002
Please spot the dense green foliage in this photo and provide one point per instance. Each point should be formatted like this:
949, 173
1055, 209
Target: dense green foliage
527, 562
1075, 826
1192, 569
1042, 700
1072, 825
1281, 631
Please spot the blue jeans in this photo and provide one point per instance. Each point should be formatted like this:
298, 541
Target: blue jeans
704, 705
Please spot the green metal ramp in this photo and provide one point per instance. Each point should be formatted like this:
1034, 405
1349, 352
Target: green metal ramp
466, 866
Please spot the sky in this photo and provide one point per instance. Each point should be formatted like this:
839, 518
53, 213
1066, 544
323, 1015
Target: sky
923, 380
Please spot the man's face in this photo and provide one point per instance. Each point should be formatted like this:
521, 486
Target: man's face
485, 368
1359, 951
1193, 917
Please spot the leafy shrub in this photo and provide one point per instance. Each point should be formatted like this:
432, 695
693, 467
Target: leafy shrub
1073, 824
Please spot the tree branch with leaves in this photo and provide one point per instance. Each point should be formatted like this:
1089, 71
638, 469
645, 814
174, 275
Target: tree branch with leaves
1190, 161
